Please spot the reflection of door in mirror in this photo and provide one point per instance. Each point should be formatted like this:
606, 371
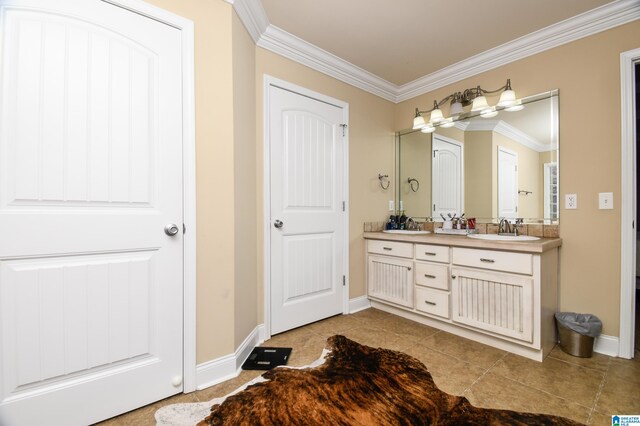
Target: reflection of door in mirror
507, 183
447, 191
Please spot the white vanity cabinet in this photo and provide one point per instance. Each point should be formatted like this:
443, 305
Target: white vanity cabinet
503, 297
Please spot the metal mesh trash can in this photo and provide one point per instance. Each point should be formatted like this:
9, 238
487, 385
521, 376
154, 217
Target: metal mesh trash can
577, 333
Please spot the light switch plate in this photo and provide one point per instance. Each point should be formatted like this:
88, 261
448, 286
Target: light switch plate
605, 200
391, 207
571, 201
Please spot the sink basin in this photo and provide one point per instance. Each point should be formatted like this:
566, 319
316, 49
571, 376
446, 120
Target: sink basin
404, 231
496, 237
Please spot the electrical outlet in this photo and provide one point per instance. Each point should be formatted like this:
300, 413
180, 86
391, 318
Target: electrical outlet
605, 200
391, 206
570, 201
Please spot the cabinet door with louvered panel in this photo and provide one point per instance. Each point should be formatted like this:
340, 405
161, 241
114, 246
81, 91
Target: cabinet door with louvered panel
390, 279
493, 302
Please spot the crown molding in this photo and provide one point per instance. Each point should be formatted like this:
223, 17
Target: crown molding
272, 38
253, 16
592, 22
298, 50
510, 132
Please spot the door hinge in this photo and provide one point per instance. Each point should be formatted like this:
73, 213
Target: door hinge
344, 129
434, 207
344, 281
184, 229
344, 206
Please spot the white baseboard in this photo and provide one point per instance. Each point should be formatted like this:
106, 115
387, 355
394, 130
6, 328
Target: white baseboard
359, 304
227, 367
607, 345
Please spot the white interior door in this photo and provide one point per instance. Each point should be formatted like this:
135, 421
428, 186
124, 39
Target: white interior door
447, 191
90, 173
507, 183
306, 190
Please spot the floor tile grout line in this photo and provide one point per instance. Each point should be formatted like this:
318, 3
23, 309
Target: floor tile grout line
597, 397
533, 387
485, 372
579, 365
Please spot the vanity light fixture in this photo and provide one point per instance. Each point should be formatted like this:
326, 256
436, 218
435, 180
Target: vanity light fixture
474, 97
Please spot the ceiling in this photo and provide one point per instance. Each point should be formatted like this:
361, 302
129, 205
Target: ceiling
403, 40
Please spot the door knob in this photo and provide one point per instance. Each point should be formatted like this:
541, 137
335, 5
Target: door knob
278, 224
171, 229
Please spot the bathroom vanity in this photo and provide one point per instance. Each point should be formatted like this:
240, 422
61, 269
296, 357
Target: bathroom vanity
500, 293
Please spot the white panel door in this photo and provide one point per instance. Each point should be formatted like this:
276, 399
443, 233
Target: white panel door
306, 190
90, 174
507, 183
446, 177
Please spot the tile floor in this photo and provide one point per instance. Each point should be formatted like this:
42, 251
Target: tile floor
588, 390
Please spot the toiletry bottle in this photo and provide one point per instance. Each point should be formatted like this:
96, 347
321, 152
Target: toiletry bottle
391, 222
402, 221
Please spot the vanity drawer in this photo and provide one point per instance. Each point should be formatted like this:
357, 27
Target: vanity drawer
520, 263
435, 302
432, 253
390, 248
430, 275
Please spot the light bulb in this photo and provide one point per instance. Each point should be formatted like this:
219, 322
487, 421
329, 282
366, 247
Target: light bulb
448, 122
517, 106
488, 113
428, 128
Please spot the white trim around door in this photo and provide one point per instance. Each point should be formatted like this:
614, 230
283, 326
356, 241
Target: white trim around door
628, 60
268, 83
188, 178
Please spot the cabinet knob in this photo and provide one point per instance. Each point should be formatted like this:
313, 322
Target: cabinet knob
408, 268
453, 277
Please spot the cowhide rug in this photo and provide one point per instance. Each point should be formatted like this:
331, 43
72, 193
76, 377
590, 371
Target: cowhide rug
355, 385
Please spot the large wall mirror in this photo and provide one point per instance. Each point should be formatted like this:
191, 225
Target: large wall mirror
488, 168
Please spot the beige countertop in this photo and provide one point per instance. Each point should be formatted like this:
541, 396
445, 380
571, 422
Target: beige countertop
537, 246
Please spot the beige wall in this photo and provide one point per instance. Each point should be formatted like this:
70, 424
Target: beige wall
587, 73
215, 158
371, 151
244, 183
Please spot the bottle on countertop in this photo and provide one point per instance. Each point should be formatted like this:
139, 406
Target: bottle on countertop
392, 224
402, 221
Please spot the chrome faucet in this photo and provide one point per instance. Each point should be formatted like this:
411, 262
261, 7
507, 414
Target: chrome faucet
504, 227
411, 224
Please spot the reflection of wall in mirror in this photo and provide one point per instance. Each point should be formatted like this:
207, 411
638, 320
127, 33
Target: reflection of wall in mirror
480, 175
415, 162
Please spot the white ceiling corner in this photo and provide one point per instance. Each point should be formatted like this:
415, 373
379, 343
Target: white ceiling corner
270, 37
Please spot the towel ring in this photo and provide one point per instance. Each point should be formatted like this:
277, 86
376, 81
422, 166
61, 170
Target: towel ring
382, 177
411, 181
